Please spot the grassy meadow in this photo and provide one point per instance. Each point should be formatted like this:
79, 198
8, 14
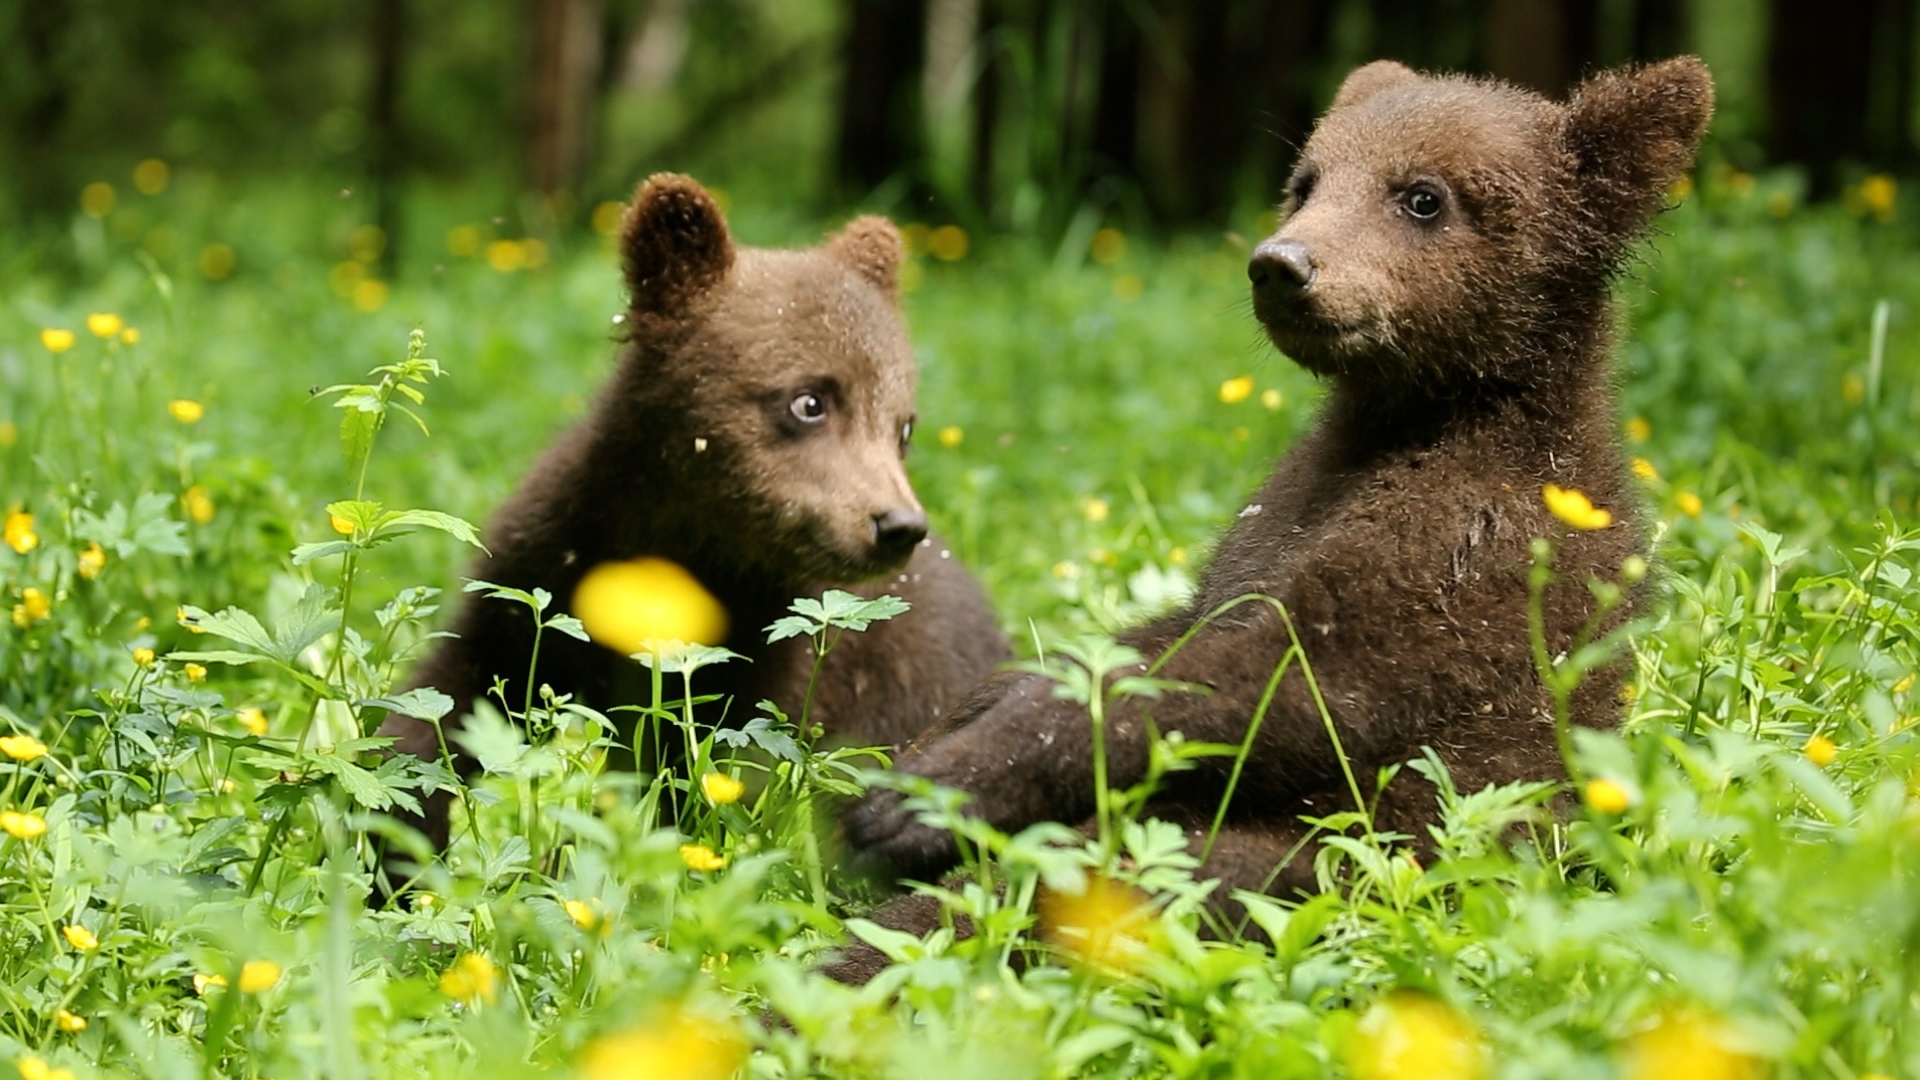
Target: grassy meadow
207, 607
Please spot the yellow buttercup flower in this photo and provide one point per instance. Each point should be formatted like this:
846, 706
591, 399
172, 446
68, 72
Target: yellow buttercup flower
192, 625
204, 983
253, 720
1236, 390
506, 256
1096, 509
340, 525
584, 915
143, 656
1271, 400
80, 937
721, 788
628, 605
1880, 193
464, 240
1407, 1035
1639, 430
1686, 1044
606, 218
22, 747
1820, 750
194, 672
1689, 503
701, 857
678, 1044
257, 976
1107, 925
97, 199
1573, 508
36, 602
104, 324
948, 243
19, 534
150, 176
186, 411
1108, 246
22, 826
56, 340
91, 562
9, 433
472, 978
952, 436
69, 1022
33, 1068
130, 336
1607, 796
198, 504
1644, 469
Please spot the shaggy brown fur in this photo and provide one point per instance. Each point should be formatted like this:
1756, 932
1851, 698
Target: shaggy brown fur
754, 433
1443, 261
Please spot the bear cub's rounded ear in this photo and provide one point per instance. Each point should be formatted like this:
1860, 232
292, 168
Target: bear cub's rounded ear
1369, 79
872, 246
1633, 132
673, 244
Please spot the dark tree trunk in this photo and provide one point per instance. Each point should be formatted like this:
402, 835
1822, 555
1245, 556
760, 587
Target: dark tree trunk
1431, 35
1114, 148
880, 114
385, 139
1545, 45
45, 105
567, 51
1660, 29
1838, 79
1294, 41
981, 182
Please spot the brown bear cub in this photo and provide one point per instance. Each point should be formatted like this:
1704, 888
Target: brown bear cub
754, 433
1443, 261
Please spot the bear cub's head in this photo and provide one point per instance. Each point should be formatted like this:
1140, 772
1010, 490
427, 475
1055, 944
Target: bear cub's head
1443, 231
777, 387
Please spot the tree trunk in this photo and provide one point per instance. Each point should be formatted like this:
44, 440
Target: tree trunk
1820, 83
880, 91
385, 139
567, 50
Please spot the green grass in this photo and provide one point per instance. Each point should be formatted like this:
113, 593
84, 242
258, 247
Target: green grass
1749, 908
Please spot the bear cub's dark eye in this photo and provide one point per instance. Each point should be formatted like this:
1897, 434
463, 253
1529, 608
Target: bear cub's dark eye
808, 408
1423, 203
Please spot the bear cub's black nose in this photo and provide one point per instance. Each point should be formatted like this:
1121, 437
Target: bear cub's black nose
896, 531
1280, 266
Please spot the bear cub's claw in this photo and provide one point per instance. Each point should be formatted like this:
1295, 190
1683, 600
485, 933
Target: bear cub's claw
891, 838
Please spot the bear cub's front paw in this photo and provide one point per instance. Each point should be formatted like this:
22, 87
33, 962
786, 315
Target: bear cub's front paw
885, 833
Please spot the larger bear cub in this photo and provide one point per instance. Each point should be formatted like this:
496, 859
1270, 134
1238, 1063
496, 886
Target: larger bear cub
753, 433
1443, 262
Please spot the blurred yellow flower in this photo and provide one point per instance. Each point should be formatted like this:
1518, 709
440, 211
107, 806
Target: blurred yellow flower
19, 532
1820, 750
506, 256
1065, 570
1236, 390
22, 747
217, 262
194, 672
952, 436
1129, 287
198, 504
1177, 556
607, 216
1607, 796
472, 978
96, 199
463, 240
1573, 508
1096, 509
721, 788
80, 937
1905, 684
253, 720
130, 336
1680, 189
22, 826
676, 1044
584, 915
1644, 469
9, 433
1880, 193
948, 243
34, 605
1639, 430
340, 525
104, 324
627, 605
370, 295
701, 857
1689, 503
367, 242
185, 411
1108, 925
56, 340
91, 561
143, 656
1108, 246
1686, 1044
204, 983
150, 176
1271, 400
33, 1068
258, 975
1408, 1035
193, 625
69, 1022
1853, 388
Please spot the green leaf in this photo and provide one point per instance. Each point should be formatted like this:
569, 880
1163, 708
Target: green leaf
458, 528
421, 703
306, 553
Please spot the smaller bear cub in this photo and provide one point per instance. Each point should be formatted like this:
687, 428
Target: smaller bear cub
754, 433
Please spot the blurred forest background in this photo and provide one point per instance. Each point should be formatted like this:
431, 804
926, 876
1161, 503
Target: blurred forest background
1027, 116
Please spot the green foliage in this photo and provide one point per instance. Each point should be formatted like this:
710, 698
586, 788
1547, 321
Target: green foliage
204, 632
